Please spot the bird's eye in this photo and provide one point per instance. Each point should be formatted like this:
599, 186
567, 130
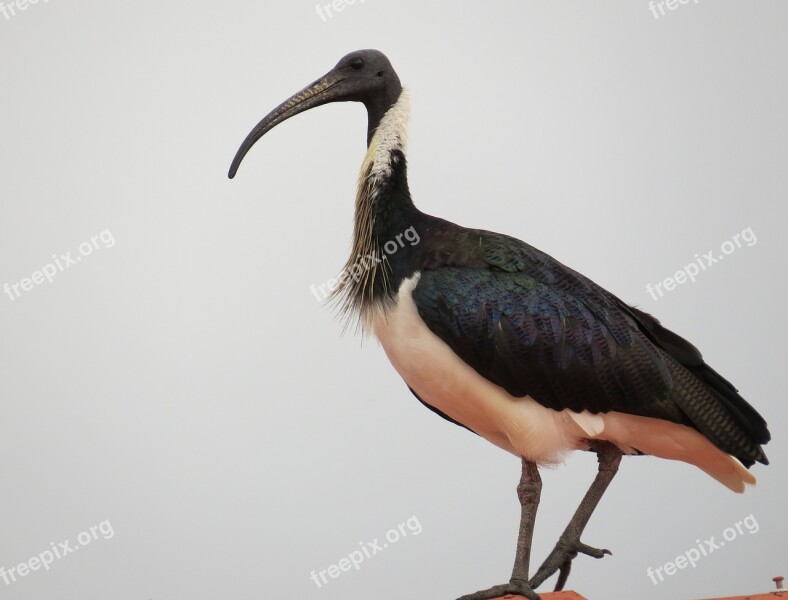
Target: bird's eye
356, 64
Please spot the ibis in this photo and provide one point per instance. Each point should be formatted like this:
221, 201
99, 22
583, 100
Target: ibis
499, 337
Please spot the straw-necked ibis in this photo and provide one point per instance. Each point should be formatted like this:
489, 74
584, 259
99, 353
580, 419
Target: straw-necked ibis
503, 339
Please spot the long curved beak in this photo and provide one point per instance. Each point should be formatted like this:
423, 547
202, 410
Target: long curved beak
326, 89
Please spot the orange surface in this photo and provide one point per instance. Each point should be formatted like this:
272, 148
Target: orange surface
576, 596
769, 596
548, 596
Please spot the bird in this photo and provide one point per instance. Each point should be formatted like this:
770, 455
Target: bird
502, 339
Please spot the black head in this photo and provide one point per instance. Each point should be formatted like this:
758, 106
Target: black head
364, 76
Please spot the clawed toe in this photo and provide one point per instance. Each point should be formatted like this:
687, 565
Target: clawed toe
560, 561
591, 551
516, 587
574, 547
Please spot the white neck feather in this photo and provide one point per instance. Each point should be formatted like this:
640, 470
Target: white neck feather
391, 134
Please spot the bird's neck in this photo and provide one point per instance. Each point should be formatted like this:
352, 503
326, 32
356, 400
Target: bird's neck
385, 217
388, 135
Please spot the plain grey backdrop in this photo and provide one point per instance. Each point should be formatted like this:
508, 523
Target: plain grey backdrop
184, 385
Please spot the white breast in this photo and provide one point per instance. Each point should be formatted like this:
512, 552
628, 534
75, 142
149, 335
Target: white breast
519, 425
522, 426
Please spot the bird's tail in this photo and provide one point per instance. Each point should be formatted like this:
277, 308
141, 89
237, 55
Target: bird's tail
676, 442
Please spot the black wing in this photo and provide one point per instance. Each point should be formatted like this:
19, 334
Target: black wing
535, 327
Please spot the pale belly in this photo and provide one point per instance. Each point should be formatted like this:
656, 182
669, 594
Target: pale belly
522, 426
443, 380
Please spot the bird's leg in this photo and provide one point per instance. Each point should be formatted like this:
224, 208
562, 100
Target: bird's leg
569, 544
528, 491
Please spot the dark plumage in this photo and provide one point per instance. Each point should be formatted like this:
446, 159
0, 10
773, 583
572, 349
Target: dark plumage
532, 325
502, 339
535, 327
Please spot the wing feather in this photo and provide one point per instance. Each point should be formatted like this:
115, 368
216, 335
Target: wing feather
535, 327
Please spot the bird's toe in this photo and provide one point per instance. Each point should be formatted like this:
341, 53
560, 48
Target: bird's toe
560, 560
513, 588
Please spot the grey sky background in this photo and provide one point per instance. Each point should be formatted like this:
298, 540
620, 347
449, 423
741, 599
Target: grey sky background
186, 386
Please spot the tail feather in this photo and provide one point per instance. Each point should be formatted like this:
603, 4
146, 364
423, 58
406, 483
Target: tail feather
676, 442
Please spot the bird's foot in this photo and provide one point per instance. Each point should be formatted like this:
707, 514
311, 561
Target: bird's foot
515, 587
560, 560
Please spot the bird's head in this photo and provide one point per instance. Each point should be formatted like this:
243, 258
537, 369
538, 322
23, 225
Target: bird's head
364, 76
